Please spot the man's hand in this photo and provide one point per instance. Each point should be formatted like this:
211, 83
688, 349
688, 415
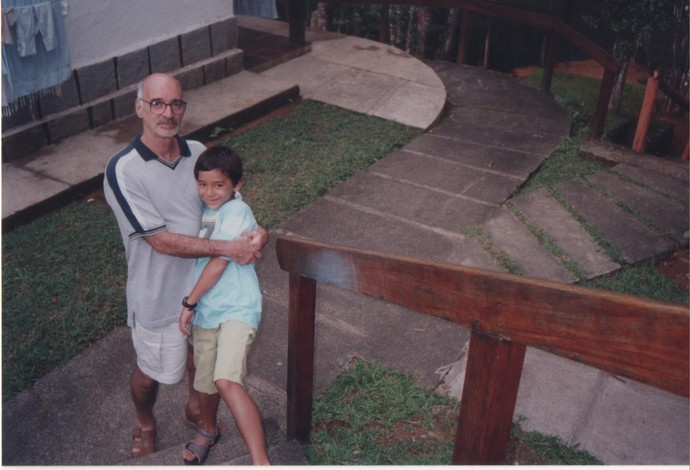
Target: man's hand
258, 237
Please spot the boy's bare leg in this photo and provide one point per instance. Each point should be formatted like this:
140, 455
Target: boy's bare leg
209, 409
247, 419
192, 408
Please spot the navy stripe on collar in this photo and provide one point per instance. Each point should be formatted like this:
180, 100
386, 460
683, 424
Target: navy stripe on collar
147, 154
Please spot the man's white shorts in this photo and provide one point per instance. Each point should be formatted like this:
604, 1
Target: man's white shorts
161, 352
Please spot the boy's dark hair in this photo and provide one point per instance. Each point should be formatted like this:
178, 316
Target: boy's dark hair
220, 158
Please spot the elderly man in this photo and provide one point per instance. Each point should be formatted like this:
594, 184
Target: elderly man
150, 187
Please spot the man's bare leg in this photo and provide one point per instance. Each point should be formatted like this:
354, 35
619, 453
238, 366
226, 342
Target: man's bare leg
144, 392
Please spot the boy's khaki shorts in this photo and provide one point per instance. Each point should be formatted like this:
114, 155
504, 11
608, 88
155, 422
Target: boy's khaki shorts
161, 352
221, 353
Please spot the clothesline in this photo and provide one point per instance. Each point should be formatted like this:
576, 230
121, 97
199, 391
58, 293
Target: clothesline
35, 54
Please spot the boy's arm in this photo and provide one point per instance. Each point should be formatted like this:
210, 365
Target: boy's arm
241, 251
208, 278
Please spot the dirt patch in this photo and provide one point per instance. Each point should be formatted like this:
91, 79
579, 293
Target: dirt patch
676, 268
588, 68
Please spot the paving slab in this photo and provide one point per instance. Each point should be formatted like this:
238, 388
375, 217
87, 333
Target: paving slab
613, 154
456, 179
515, 240
342, 223
658, 181
633, 424
490, 158
474, 87
513, 139
368, 77
542, 210
215, 102
668, 216
436, 173
423, 205
39, 188
635, 241
502, 119
373, 56
555, 394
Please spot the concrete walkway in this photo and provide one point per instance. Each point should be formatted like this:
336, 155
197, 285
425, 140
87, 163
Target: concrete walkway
418, 201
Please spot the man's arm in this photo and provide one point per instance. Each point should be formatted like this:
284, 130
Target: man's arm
241, 251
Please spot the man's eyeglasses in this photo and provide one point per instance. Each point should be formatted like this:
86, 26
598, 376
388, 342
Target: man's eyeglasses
158, 106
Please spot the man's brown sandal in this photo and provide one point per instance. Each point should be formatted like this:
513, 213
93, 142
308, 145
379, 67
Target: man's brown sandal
143, 442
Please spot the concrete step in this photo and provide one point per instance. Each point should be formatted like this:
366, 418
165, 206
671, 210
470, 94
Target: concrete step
89, 398
514, 239
230, 450
634, 240
668, 217
545, 213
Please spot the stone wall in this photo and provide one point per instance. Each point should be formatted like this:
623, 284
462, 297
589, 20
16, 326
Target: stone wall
100, 93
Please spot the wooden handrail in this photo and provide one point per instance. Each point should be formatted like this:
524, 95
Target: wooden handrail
627, 336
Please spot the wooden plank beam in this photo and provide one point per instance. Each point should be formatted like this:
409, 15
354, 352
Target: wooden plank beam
638, 338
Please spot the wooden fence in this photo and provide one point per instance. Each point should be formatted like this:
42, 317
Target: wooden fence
626, 336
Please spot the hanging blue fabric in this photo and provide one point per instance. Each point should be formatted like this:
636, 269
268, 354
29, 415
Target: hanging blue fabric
265, 8
36, 56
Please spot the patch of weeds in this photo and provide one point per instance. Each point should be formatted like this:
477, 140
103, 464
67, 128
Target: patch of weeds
375, 415
546, 241
551, 449
564, 164
660, 191
611, 251
642, 280
500, 256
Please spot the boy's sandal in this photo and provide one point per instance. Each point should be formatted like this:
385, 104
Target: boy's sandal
200, 451
142, 442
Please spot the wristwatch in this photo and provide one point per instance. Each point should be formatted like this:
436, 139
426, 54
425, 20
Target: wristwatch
186, 305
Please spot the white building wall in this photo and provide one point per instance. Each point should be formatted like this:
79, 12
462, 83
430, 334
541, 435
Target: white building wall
100, 29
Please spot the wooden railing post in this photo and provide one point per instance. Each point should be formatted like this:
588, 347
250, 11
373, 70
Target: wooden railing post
603, 103
297, 16
464, 40
300, 360
383, 23
487, 41
550, 55
645, 117
492, 378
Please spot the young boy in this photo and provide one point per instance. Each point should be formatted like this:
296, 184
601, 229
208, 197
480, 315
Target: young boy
227, 302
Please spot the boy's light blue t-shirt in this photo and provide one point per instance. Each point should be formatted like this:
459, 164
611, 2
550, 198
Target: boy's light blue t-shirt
236, 295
